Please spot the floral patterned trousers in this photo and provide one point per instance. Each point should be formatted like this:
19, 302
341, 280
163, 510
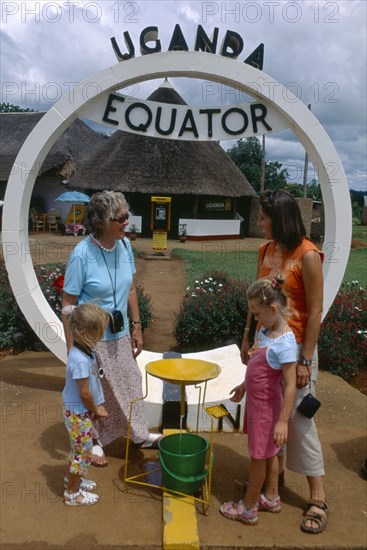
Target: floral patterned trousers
79, 427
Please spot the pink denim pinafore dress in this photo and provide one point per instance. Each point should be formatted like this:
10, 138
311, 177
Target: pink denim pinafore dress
263, 404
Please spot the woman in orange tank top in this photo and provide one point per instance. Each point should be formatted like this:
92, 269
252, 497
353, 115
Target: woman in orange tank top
298, 260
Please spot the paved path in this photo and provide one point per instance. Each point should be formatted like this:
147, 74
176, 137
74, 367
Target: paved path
33, 456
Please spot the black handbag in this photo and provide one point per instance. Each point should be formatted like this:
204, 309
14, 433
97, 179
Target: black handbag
309, 405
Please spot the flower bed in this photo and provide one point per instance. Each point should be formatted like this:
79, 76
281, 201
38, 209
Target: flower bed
208, 314
343, 338
209, 317
15, 331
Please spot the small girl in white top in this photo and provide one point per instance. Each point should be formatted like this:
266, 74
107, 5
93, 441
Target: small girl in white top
83, 398
267, 408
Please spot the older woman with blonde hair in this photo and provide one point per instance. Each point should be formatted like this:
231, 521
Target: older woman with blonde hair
101, 271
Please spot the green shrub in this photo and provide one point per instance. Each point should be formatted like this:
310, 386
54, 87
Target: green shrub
145, 307
343, 337
8, 311
15, 331
208, 313
356, 212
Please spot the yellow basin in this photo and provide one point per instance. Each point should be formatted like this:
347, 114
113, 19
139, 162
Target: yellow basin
183, 371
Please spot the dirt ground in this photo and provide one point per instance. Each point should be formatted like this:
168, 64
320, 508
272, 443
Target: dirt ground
163, 280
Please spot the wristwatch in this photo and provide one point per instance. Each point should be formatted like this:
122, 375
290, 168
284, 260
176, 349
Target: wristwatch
303, 361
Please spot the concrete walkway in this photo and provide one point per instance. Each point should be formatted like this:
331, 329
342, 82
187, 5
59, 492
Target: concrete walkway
34, 448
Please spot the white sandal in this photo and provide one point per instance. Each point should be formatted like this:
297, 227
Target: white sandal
88, 498
85, 484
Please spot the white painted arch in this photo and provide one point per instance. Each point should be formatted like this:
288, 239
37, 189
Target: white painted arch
200, 65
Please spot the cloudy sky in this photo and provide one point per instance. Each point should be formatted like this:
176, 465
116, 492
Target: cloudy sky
317, 49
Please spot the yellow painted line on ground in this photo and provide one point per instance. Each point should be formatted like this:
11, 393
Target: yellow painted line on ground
180, 528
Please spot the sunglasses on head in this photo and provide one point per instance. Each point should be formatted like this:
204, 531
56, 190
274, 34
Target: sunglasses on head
122, 219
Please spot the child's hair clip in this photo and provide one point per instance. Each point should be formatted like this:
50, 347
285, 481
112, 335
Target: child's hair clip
277, 281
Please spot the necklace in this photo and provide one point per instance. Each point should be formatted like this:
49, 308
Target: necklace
104, 247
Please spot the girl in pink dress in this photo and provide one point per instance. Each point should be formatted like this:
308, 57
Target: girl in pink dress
268, 403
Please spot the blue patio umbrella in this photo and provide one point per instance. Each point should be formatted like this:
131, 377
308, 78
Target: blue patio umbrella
73, 197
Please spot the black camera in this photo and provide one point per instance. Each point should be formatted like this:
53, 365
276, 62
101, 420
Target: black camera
309, 406
116, 321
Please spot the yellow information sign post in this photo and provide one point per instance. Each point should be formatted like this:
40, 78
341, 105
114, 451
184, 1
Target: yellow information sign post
159, 241
160, 221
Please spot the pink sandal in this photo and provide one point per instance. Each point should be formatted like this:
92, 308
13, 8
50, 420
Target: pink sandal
237, 511
269, 505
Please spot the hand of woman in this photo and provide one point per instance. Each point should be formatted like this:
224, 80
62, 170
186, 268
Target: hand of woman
136, 340
303, 375
238, 393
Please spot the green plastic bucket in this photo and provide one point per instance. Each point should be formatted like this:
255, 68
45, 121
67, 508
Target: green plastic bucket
182, 458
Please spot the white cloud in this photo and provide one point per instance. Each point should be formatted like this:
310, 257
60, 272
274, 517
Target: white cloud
317, 49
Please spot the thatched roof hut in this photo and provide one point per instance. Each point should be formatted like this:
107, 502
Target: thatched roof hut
133, 163
72, 148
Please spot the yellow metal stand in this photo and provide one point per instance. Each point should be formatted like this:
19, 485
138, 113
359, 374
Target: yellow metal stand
180, 529
183, 372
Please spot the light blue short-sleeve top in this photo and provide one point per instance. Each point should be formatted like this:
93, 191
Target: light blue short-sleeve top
93, 275
279, 350
79, 366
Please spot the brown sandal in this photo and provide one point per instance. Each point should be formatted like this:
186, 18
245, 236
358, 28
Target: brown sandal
321, 520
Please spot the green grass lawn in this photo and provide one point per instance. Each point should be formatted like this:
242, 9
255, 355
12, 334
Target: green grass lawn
239, 265
359, 232
357, 267
242, 264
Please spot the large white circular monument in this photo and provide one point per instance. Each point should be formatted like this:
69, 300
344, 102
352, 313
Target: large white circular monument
84, 100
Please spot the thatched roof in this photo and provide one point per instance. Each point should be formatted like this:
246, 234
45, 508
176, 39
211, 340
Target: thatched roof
138, 164
72, 148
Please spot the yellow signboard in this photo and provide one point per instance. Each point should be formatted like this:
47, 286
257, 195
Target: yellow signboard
160, 240
160, 199
76, 214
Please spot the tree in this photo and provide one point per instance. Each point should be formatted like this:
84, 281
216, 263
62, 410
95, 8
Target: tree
246, 154
294, 189
314, 190
275, 175
9, 108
